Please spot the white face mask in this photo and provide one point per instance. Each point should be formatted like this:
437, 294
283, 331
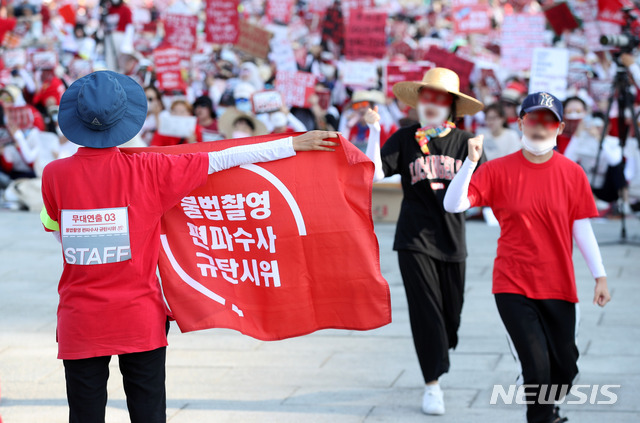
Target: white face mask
442, 113
539, 148
239, 134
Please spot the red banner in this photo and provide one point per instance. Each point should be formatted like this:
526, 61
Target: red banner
611, 10
180, 31
471, 17
404, 71
168, 69
221, 23
365, 35
560, 18
21, 116
279, 10
295, 87
273, 250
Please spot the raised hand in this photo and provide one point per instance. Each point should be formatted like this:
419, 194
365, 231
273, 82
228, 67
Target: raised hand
475, 148
372, 116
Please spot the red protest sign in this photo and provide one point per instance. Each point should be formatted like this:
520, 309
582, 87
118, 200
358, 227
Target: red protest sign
295, 87
168, 69
254, 40
405, 71
471, 16
181, 31
349, 6
279, 10
444, 59
221, 23
611, 10
251, 250
560, 18
365, 35
21, 116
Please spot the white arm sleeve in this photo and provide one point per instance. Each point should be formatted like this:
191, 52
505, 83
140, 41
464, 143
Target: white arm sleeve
456, 199
29, 153
29, 83
586, 241
373, 151
252, 153
56, 235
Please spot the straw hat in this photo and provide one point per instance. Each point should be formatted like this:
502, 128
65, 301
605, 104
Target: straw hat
231, 115
372, 96
438, 79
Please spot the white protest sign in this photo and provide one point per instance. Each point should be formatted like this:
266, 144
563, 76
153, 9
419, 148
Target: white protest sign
359, 74
176, 126
266, 101
281, 50
44, 60
549, 71
14, 58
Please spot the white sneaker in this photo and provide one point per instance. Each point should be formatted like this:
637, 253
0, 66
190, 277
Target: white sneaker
433, 400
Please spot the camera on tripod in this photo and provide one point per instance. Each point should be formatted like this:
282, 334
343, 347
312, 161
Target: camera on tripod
627, 40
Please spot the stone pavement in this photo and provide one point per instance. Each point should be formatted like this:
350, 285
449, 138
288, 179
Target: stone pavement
330, 376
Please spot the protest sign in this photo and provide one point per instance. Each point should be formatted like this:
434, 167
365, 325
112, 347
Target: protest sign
180, 31
266, 101
611, 10
445, 59
521, 33
44, 60
221, 24
471, 16
349, 6
549, 71
279, 10
365, 35
254, 249
295, 87
405, 71
359, 74
176, 126
168, 69
253, 40
282, 53
21, 116
560, 18
14, 58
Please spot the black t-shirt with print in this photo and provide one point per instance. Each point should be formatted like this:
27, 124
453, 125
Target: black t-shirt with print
424, 225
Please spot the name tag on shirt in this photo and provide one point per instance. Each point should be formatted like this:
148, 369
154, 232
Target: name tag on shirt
97, 236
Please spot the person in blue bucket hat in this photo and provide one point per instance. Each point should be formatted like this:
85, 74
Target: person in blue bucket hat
110, 298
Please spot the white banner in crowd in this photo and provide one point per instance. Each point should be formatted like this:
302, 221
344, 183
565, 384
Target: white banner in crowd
549, 71
359, 74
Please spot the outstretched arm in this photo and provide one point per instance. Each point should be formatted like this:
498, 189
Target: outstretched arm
373, 143
588, 246
272, 150
456, 199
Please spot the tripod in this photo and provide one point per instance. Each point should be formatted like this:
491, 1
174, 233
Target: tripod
620, 91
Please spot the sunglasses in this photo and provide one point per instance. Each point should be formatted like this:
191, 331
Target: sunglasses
361, 105
547, 120
435, 97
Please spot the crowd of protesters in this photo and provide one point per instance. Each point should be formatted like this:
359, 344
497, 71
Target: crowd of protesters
215, 98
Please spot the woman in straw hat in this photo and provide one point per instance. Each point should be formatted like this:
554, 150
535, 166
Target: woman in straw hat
110, 298
430, 242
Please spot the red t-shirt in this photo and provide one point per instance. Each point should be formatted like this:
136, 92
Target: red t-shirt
115, 307
536, 205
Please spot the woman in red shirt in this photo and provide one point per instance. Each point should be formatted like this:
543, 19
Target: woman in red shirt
542, 200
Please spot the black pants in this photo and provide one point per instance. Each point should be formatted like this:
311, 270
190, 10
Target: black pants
143, 377
543, 333
434, 291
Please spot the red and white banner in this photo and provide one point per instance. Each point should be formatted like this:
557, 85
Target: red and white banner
221, 23
181, 31
471, 16
279, 10
404, 71
275, 250
295, 87
168, 69
21, 116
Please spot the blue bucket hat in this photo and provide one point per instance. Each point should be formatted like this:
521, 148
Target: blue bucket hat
103, 109
542, 101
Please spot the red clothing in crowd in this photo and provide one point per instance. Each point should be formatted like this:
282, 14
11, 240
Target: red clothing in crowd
52, 89
6, 25
116, 307
124, 16
159, 140
536, 205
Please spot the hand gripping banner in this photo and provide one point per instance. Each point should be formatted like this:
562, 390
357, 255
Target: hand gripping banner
275, 250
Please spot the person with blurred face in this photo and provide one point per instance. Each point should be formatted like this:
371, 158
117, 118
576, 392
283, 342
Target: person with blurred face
499, 139
430, 242
543, 202
355, 125
179, 108
575, 110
